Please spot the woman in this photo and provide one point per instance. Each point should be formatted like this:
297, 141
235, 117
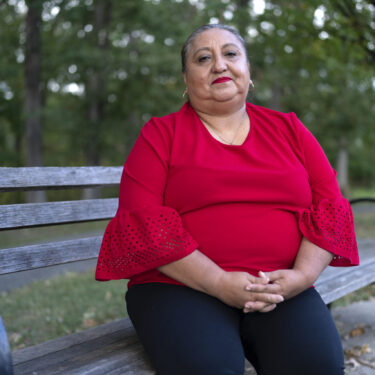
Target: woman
228, 213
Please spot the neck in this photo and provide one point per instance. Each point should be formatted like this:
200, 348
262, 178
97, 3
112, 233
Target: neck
224, 121
231, 128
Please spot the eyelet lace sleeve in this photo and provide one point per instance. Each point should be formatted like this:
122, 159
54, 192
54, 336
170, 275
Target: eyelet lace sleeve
139, 240
330, 226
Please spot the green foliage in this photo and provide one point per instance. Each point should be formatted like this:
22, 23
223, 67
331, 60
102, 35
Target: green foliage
315, 58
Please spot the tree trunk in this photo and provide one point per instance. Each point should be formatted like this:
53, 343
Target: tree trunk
342, 167
96, 93
33, 106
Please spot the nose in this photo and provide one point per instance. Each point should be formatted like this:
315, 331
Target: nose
219, 64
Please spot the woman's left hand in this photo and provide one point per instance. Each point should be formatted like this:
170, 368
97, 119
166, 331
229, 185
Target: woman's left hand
289, 282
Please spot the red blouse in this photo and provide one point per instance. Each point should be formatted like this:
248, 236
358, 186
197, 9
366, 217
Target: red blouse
244, 206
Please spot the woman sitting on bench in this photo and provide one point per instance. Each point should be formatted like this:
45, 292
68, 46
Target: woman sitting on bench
228, 213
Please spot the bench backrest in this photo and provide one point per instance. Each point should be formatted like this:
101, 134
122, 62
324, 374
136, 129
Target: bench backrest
28, 215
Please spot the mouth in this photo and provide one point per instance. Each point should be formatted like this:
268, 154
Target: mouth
221, 80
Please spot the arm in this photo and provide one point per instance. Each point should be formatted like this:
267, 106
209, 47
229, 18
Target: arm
327, 226
199, 272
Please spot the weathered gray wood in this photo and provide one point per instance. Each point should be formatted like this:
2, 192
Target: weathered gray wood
43, 255
41, 178
112, 348
336, 282
15, 216
343, 283
61, 343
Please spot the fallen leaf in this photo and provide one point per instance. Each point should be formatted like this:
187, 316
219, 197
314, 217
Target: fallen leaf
358, 331
88, 323
366, 348
353, 352
357, 350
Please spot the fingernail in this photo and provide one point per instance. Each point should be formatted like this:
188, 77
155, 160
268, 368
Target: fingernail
248, 287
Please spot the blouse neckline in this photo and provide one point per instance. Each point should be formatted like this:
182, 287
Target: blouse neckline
205, 130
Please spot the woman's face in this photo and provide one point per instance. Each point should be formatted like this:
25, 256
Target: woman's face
217, 69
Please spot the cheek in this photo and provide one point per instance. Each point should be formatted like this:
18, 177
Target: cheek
196, 80
245, 74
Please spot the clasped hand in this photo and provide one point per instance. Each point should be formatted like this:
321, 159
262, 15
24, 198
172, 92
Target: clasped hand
263, 293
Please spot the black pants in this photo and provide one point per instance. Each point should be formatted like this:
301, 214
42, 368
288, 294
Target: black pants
188, 332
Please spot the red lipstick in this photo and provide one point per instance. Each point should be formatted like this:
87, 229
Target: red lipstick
221, 80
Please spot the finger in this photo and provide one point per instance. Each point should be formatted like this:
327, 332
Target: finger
268, 298
268, 308
260, 280
257, 280
274, 275
256, 305
246, 310
263, 276
269, 288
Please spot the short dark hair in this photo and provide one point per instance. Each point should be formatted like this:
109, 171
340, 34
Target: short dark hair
193, 35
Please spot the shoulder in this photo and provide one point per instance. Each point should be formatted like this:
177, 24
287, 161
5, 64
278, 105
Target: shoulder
161, 131
165, 124
277, 118
286, 123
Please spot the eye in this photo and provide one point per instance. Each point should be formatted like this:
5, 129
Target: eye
231, 53
204, 58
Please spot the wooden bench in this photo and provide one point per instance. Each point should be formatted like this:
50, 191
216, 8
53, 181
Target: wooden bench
112, 348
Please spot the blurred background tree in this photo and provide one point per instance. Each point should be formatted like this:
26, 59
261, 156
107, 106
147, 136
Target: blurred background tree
107, 66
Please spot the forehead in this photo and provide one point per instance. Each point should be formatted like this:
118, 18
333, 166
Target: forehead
217, 37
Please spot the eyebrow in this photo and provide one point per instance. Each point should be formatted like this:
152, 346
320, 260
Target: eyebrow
208, 49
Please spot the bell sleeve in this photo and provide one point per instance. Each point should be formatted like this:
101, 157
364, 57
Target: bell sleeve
144, 234
328, 222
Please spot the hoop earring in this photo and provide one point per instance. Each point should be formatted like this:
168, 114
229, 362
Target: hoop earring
184, 94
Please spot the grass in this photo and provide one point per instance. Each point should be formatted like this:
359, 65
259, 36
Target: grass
59, 306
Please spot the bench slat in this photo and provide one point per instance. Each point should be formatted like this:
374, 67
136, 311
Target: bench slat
15, 216
112, 348
43, 255
336, 282
42, 178
346, 282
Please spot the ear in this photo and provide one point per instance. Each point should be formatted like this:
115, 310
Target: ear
184, 77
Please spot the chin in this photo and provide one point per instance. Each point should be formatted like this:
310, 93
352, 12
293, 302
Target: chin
228, 98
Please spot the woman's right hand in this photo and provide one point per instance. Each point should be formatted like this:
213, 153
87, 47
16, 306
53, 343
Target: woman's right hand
232, 291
